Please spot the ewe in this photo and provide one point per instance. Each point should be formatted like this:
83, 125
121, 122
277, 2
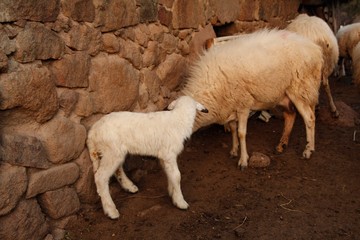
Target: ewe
258, 71
159, 134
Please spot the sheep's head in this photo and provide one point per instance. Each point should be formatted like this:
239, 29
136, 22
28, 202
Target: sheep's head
188, 101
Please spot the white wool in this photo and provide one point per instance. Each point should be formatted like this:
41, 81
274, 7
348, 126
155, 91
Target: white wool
159, 134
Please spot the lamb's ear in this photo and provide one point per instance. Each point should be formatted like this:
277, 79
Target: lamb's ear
201, 108
172, 105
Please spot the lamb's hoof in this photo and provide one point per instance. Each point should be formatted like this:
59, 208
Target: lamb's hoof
114, 214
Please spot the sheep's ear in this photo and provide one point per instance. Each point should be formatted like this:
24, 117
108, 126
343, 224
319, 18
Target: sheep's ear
172, 105
201, 108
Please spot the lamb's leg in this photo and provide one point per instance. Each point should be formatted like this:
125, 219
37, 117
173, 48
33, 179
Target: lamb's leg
104, 172
235, 139
242, 126
124, 181
334, 111
173, 175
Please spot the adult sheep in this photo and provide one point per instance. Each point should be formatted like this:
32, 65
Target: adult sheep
254, 72
347, 36
319, 32
159, 134
356, 65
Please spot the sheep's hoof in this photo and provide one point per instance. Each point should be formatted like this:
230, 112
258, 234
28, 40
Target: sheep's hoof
183, 205
335, 114
280, 148
233, 154
242, 166
114, 215
132, 189
307, 154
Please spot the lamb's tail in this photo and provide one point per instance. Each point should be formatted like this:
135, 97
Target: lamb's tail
95, 155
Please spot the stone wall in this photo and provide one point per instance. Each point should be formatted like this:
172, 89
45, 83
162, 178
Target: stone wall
65, 63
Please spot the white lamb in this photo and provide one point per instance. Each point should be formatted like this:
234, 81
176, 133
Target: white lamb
356, 65
258, 71
159, 134
319, 31
347, 36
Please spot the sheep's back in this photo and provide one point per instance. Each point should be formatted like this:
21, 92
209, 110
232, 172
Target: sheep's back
258, 67
347, 37
319, 32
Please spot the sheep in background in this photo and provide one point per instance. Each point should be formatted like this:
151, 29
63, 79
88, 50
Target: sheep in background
159, 134
356, 65
254, 72
319, 32
347, 36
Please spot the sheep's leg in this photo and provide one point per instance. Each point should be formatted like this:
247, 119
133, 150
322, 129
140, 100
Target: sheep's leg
124, 181
242, 126
235, 139
289, 120
173, 175
308, 114
104, 172
334, 111
342, 67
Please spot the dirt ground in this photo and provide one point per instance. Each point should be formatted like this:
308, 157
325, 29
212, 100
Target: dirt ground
292, 198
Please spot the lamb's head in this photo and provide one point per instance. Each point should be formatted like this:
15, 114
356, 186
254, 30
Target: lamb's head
187, 101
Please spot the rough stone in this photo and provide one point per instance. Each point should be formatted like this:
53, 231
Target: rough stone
67, 100
171, 71
3, 62
226, 13
23, 151
116, 14
13, 185
27, 93
131, 52
72, 71
167, 3
169, 43
60, 203
34, 10
7, 46
25, 222
63, 139
52, 178
249, 10
259, 160
79, 10
148, 10
113, 85
83, 37
188, 14
84, 106
141, 34
38, 42
85, 185
110, 43
151, 56
165, 16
